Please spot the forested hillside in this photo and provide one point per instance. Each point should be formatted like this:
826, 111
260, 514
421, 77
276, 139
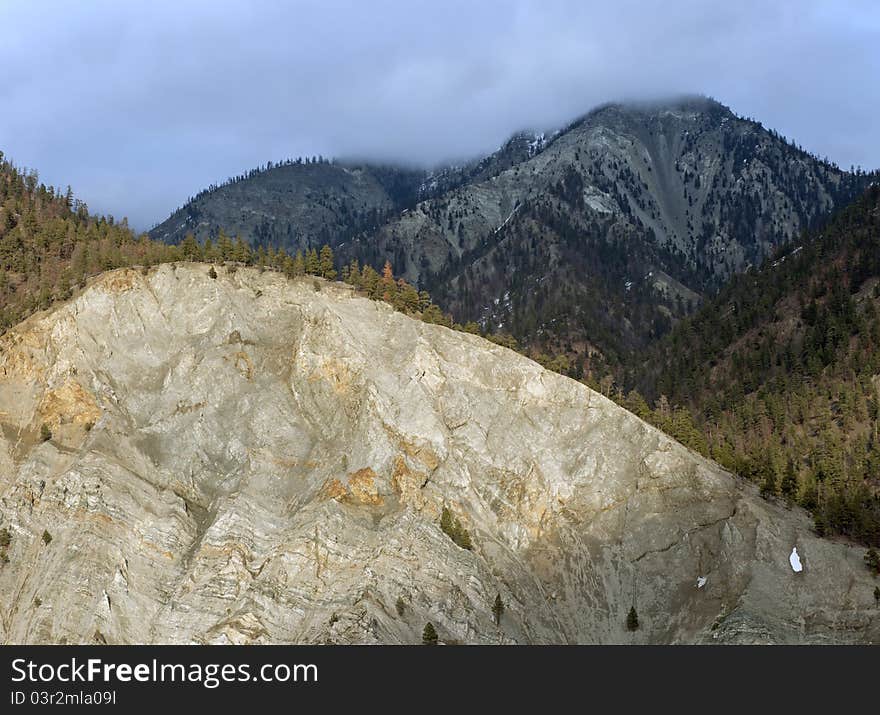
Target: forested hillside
49, 244
782, 372
296, 204
623, 224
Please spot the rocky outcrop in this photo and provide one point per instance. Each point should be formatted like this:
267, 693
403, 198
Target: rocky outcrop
251, 459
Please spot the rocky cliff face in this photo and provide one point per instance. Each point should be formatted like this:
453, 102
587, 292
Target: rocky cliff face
248, 459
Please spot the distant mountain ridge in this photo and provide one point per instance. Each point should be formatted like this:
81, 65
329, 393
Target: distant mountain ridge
296, 204
299, 203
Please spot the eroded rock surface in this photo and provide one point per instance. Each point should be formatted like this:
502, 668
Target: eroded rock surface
251, 459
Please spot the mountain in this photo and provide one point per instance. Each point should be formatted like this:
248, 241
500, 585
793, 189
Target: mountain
782, 369
590, 241
296, 204
309, 202
231, 456
717, 191
624, 221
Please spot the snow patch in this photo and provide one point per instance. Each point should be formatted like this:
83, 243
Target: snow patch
536, 143
782, 260
510, 216
795, 561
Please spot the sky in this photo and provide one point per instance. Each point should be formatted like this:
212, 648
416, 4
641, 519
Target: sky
139, 105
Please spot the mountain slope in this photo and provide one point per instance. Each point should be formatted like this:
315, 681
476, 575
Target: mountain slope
783, 369
704, 183
295, 205
246, 458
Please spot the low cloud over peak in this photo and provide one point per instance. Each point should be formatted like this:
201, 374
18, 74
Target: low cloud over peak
139, 106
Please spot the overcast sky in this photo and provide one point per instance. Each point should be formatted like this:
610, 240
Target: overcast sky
139, 105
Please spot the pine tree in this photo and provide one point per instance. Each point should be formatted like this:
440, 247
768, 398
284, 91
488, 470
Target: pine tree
498, 609
190, 249
326, 263
354, 273
636, 404
429, 635
313, 263
209, 251
224, 246
370, 282
45, 432
241, 252
287, 264
299, 264
452, 527
632, 619
389, 287
768, 486
408, 298
433, 314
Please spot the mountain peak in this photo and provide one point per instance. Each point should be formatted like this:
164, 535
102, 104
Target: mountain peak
685, 106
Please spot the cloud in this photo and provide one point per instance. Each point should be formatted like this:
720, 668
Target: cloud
138, 106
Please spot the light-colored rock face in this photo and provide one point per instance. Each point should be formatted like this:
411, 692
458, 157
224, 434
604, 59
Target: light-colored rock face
248, 459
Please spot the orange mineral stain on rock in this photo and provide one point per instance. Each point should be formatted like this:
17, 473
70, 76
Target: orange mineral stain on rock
118, 281
69, 403
336, 373
408, 483
17, 356
333, 489
362, 486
